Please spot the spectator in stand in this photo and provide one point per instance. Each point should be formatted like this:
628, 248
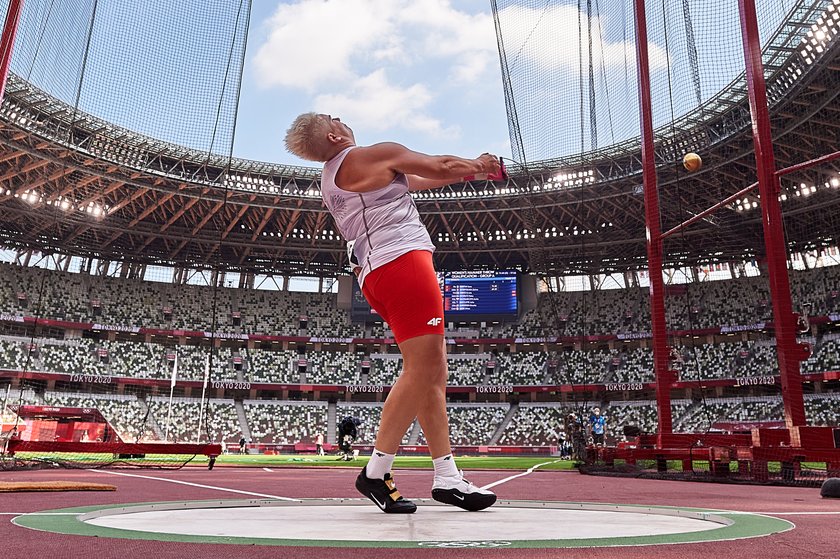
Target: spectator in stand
597, 424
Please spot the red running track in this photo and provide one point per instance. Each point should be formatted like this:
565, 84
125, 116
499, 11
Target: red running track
814, 536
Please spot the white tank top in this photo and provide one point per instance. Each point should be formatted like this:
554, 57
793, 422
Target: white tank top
384, 223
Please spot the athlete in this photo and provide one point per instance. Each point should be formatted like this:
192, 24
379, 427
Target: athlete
367, 191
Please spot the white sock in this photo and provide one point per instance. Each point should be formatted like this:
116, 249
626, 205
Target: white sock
379, 465
445, 466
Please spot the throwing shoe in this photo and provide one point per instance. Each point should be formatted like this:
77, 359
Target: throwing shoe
457, 491
384, 493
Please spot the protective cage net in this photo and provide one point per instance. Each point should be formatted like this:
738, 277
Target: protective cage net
727, 404
569, 68
727, 401
108, 92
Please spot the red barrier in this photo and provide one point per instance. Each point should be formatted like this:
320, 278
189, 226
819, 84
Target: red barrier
211, 450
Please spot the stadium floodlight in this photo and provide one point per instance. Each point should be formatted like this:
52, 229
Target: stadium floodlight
61, 203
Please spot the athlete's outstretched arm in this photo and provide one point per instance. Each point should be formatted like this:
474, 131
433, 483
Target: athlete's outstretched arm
372, 167
416, 182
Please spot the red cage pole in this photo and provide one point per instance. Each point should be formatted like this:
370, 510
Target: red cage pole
787, 349
654, 237
808, 164
7, 42
709, 210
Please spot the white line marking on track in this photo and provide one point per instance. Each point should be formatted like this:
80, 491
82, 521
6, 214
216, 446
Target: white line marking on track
525, 473
226, 489
268, 469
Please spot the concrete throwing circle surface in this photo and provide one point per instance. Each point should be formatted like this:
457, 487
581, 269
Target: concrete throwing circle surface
327, 523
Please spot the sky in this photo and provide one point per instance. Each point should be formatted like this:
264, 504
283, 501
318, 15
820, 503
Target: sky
424, 73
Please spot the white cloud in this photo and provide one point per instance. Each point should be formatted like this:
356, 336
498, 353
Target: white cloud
555, 39
324, 45
381, 64
466, 41
373, 104
394, 66
317, 43
312, 42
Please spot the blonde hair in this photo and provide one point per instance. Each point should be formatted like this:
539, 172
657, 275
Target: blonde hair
306, 137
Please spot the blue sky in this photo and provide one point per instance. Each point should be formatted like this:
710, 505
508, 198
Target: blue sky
424, 73
421, 72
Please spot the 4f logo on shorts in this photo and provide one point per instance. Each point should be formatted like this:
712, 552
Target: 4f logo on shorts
435, 321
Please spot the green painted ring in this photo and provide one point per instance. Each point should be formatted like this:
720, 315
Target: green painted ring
731, 525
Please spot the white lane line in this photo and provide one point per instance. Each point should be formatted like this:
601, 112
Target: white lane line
268, 469
226, 489
525, 473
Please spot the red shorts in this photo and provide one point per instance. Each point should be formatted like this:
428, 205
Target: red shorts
406, 294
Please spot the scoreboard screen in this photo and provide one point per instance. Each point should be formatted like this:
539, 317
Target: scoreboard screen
480, 293
470, 295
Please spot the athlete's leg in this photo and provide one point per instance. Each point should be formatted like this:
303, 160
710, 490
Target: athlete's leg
432, 416
419, 392
407, 291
